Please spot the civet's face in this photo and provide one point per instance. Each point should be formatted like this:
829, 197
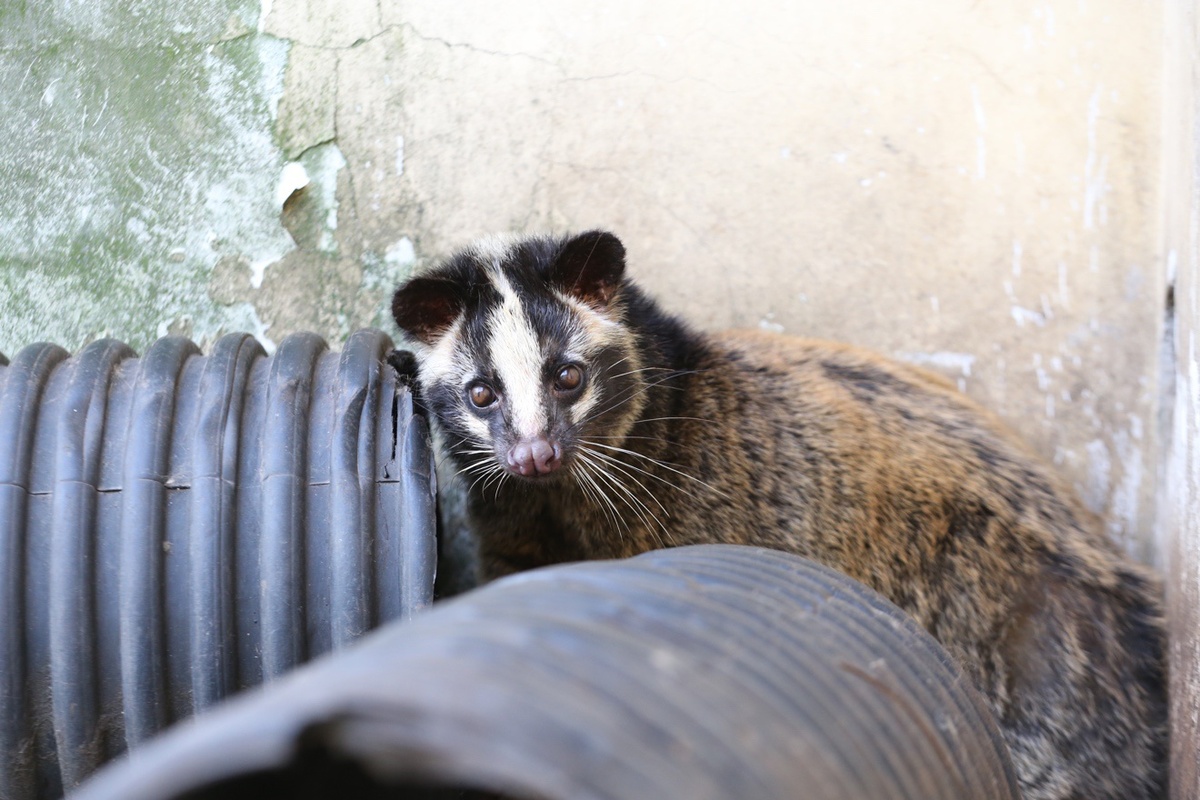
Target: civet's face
522, 353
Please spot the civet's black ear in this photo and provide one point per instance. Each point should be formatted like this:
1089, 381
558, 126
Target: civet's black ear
590, 267
425, 307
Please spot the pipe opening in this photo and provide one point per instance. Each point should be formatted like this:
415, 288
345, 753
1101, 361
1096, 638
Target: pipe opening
317, 773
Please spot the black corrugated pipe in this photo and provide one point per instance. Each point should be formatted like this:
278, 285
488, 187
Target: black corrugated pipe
708, 673
176, 527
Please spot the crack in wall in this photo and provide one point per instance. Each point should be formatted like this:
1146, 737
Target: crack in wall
476, 49
1167, 399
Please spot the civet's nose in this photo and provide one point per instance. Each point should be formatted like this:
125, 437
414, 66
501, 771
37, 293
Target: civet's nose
535, 457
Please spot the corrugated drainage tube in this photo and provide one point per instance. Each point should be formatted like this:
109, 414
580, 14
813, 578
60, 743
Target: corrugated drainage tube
180, 526
707, 673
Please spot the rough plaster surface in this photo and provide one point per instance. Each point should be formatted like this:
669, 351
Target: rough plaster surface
1182, 495
142, 149
136, 150
972, 187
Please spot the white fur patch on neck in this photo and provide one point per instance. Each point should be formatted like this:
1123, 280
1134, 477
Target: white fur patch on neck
517, 359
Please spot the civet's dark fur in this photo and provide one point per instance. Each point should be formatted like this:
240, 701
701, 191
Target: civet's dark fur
876, 468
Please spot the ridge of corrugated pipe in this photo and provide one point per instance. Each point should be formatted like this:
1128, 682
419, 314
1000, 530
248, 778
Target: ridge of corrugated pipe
708, 673
180, 526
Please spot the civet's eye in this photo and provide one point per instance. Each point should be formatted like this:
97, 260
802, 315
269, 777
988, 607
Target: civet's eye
481, 395
568, 378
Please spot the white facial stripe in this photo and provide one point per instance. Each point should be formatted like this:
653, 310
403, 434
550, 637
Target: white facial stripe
517, 359
446, 362
583, 407
442, 362
576, 354
491, 250
477, 426
596, 329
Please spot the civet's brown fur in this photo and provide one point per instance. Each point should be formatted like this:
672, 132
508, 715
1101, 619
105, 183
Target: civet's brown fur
885, 472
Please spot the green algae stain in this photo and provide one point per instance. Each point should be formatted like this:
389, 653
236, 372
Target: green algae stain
136, 151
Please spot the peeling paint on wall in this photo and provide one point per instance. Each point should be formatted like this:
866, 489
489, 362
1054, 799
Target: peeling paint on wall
152, 158
135, 159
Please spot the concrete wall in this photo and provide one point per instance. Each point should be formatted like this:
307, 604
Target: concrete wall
1182, 499
970, 186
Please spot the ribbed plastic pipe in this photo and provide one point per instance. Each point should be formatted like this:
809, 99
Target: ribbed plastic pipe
180, 526
706, 673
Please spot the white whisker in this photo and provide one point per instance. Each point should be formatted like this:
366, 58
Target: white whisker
662, 464
638, 371
617, 462
484, 474
641, 389
621, 468
668, 419
586, 467
639, 509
